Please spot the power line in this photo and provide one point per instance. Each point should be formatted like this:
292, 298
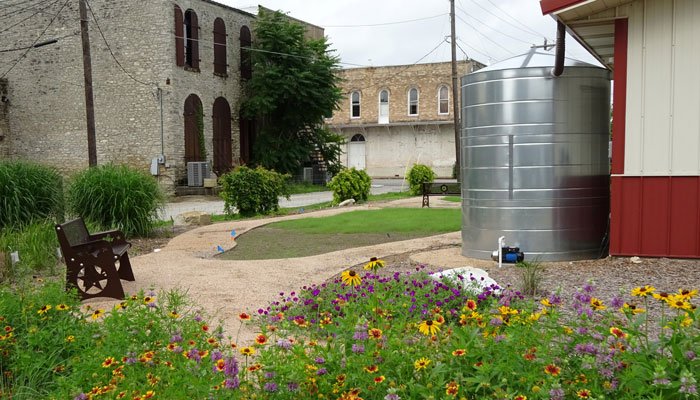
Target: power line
37, 12
496, 30
112, 53
21, 10
385, 23
471, 47
485, 37
517, 21
528, 31
50, 41
35, 40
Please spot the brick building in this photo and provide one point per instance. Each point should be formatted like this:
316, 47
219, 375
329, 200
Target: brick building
183, 71
395, 116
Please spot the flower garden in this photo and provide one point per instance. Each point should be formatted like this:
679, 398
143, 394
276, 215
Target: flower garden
365, 335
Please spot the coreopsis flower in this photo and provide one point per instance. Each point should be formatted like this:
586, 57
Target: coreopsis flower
643, 291
520, 397
583, 394
243, 316
108, 362
552, 369
429, 327
350, 278
618, 333
379, 379
470, 305
375, 333
371, 369
261, 339
421, 363
452, 388
374, 264
597, 304
459, 352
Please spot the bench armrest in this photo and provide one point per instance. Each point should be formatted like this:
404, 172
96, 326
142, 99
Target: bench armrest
116, 235
89, 247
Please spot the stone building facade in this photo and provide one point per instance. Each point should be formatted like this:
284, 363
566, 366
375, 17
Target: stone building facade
395, 116
164, 71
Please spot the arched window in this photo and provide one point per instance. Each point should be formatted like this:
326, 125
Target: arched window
413, 101
191, 30
384, 107
443, 100
179, 37
357, 138
192, 114
355, 105
246, 62
221, 120
220, 47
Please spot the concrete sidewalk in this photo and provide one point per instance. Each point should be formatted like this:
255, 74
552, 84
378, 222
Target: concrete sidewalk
214, 205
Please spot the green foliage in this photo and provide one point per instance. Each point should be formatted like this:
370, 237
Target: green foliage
418, 174
28, 192
531, 276
350, 184
36, 244
116, 196
294, 86
252, 191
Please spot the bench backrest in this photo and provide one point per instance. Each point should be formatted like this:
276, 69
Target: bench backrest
440, 188
74, 232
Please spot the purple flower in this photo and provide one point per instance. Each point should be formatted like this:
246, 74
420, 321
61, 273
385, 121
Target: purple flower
321, 371
193, 354
292, 386
269, 375
496, 322
320, 360
358, 348
690, 355
176, 338
231, 383
284, 344
231, 366
81, 396
392, 396
617, 302
556, 394
198, 318
270, 387
216, 355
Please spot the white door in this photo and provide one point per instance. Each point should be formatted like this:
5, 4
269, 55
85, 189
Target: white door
356, 152
384, 107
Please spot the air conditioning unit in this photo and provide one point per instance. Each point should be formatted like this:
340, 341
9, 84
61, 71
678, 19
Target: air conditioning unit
308, 175
196, 173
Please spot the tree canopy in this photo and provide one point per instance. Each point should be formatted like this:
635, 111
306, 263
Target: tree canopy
293, 87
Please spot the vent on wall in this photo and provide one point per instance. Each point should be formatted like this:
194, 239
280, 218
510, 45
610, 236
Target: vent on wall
196, 173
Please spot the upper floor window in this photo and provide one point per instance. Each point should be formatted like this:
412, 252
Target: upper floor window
384, 107
413, 101
355, 105
220, 47
191, 40
443, 100
246, 62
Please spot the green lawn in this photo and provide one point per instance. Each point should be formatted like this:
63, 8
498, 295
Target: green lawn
311, 236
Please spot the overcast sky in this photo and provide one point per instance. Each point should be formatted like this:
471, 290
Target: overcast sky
395, 32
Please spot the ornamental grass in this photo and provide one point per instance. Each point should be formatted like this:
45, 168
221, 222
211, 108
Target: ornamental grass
401, 336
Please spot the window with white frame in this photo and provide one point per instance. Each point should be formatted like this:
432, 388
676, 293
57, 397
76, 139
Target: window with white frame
355, 105
413, 101
443, 100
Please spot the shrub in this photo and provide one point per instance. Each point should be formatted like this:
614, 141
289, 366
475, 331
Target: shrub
36, 244
253, 191
350, 184
418, 174
28, 192
116, 196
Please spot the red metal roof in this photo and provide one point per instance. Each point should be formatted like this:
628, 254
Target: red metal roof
550, 6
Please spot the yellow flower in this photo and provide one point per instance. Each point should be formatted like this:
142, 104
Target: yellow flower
44, 309
618, 333
97, 313
546, 303
375, 333
421, 363
429, 327
597, 304
663, 296
643, 291
678, 302
452, 388
70, 339
505, 310
459, 352
371, 369
687, 294
632, 308
174, 314
350, 278
374, 264
247, 351
62, 307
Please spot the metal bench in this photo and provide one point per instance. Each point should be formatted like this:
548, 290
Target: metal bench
95, 263
438, 189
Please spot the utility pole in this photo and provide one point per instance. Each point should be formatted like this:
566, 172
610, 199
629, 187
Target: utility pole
87, 72
455, 87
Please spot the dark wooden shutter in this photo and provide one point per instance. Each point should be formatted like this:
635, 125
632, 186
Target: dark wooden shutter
192, 104
179, 38
194, 39
219, 47
221, 118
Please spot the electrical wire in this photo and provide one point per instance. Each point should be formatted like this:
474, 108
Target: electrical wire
495, 30
35, 40
112, 53
385, 23
37, 12
517, 21
528, 31
485, 37
21, 10
28, 47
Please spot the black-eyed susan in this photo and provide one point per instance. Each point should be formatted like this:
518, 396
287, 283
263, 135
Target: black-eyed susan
687, 294
632, 308
643, 291
247, 351
375, 333
149, 299
679, 303
97, 313
62, 307
597, 304
174, 314
43, 310
551, 369
70, 339
662, 296
350, 278
421, 363
374, 264
429, 327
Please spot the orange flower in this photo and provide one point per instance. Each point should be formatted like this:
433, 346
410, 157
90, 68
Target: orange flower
243, 316
379, 379
205, 328
584, 394
375, 333
552, 369
471, 305
254, 367
261, 339
220, 364
618, 333
108, 362
520, 397
372, 369
451, 389
459, 352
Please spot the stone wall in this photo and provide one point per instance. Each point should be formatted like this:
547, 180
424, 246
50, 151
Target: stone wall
46, 111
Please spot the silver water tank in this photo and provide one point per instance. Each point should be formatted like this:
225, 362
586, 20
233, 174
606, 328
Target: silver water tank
535, 163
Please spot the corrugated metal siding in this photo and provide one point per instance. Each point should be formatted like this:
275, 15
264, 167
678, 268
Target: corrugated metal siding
655, 216
663, 121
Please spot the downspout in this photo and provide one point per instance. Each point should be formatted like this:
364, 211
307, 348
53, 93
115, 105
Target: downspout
559, 55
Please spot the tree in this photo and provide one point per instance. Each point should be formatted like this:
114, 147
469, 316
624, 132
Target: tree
294, 86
